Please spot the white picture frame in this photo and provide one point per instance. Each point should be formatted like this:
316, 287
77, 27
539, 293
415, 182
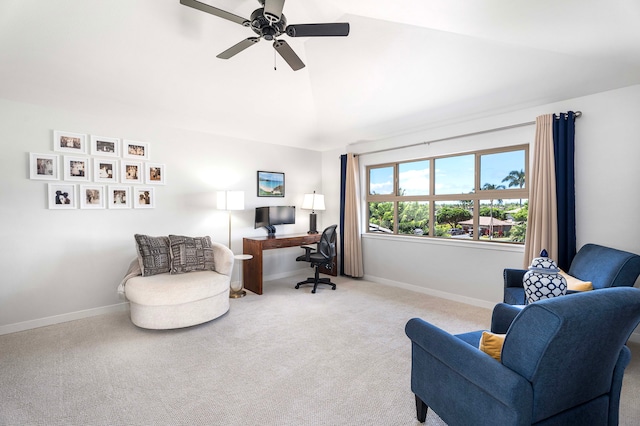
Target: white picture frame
131, 172
106, 170
62, 196
69, 142
76, 168
44, 166
92, 197
105, 146
119, 197
143, 197
154, 174
135, 150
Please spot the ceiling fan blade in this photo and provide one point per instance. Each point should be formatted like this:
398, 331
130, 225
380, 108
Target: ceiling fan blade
235, 49
287, 53
215, 11
273, 10
318, 30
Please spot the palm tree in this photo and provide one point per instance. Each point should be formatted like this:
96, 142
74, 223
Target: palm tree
515, 178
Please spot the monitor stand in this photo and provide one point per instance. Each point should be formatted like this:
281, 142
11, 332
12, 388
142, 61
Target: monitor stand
271, 230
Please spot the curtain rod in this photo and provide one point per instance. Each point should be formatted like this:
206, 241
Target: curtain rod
497, 129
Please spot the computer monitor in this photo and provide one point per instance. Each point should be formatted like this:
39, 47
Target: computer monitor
269, 217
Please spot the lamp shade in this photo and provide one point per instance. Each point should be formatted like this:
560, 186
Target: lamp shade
313, 202
230, 200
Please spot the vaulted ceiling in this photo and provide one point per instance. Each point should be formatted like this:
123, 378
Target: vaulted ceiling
406, 64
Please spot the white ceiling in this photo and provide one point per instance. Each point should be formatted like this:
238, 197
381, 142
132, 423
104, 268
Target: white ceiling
406, 64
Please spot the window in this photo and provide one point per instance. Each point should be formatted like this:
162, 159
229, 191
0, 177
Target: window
479, 196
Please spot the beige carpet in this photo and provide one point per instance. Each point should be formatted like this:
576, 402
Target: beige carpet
287, 357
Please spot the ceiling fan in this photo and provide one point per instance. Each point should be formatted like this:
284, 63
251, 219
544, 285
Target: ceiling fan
268, 22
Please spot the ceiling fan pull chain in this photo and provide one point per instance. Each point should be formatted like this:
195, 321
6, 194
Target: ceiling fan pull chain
274, 60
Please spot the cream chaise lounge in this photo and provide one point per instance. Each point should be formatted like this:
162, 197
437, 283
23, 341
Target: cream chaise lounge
177, 281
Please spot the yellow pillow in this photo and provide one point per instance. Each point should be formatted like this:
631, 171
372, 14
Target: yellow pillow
575, 284
491, 344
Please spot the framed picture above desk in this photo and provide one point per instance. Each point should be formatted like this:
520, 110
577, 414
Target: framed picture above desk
252, 269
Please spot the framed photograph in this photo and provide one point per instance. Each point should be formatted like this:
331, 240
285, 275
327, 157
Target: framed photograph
131, 172
105, 170
270, 184
92, 197
75, 143
154, 174
44, 166
76, 168
119, 197
107, 147
143, 198
133, 149
62, 196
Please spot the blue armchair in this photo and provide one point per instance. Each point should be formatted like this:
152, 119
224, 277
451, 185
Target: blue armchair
562, 362
603, 266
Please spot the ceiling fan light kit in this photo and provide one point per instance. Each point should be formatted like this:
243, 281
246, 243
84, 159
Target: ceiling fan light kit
269, 23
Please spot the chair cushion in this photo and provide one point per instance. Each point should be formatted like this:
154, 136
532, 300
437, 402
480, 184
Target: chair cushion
575, 284
154, 256
168, 289
491, 344
472, 337
190, 254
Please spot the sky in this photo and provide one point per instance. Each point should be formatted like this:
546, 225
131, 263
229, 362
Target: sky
453, 175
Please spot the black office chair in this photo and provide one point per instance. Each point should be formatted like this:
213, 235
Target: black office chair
321, 257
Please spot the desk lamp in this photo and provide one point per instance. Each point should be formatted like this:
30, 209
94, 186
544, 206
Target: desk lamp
313, 202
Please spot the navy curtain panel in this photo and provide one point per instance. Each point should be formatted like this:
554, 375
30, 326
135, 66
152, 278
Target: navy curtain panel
564, 130
343, 186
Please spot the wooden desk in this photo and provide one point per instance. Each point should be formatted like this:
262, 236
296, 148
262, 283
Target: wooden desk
252, 269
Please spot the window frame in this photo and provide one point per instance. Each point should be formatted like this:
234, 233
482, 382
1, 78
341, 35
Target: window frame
476, 196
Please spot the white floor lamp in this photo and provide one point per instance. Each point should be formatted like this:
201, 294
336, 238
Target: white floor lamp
230, 200
233, 200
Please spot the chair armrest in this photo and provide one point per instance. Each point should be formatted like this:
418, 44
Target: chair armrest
222, 258
306, 257
469, 371
502, 317
513, 277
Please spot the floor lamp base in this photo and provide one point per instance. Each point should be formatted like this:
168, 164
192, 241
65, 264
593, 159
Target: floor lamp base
237, 294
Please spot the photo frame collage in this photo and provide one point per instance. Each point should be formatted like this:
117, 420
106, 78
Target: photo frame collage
108, 177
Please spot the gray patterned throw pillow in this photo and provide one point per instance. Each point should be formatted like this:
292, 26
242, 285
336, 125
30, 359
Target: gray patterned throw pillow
190, 254
153, 254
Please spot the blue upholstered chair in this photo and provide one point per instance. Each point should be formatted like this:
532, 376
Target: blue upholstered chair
603, 266
562, 363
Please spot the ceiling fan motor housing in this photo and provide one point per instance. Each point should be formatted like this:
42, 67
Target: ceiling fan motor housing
262, 26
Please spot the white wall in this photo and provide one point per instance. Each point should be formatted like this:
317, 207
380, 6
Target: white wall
607, 177
60, 265
63, 264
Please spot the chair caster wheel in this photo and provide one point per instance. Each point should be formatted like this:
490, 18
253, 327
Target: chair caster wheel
297, 286
313, 291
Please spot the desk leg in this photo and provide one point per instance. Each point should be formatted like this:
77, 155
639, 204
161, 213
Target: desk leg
252, 269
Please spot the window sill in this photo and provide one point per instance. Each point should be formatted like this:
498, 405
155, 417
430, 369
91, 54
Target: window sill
468, 244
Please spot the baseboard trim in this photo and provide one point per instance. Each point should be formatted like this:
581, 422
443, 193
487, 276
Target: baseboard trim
57, 319
431, 292
635, 336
